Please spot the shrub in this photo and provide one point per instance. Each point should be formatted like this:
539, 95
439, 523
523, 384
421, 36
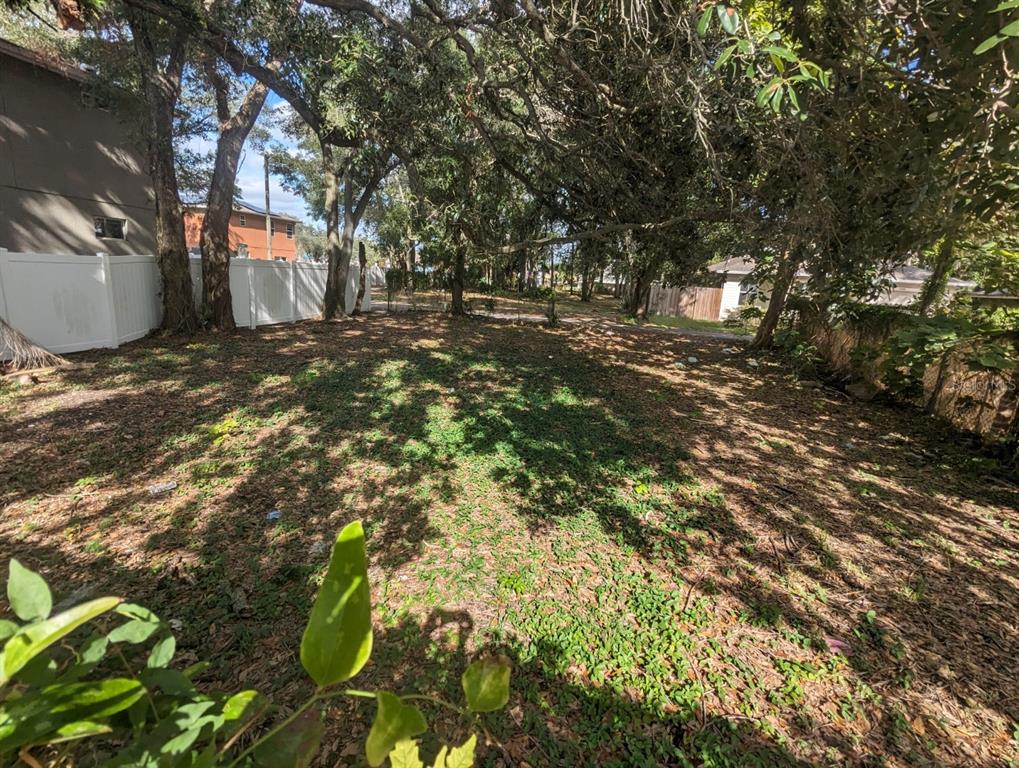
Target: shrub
797, 350
57, 686
748, 315
539, 293
923, 341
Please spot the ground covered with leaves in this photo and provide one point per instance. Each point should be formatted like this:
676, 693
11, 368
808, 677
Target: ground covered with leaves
690, 558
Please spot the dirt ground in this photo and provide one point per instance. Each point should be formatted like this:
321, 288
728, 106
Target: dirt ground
691, 558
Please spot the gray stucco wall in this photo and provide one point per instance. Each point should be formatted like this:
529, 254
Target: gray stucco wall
61, 164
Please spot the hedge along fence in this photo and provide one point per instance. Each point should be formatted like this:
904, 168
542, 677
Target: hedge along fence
967, 381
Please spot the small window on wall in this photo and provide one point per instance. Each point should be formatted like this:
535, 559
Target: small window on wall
110, 229
244, 220
242, 251
747, 294
290, 231
272, 227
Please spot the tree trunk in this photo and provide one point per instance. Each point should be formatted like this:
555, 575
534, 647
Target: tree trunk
934, 287
639, 294
268, 210
215, 236
334, 288
161, 87
784, 278
459, 260
362, 261
521, 270
339, 258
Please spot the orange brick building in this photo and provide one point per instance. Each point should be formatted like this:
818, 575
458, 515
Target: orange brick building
247, 232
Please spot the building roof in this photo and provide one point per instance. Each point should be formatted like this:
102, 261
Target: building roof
48, 61
240, 206
904, 275
738, 265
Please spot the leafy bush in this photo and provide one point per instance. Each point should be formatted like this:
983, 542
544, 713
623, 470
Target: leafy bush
539, 293
748, 315
797, 350
922, 342
56, 689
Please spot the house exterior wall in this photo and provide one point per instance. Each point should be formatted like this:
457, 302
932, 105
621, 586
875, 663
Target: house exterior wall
730, 296
63, 163
251, 234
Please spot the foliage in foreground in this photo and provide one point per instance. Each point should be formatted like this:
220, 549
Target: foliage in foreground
153, 715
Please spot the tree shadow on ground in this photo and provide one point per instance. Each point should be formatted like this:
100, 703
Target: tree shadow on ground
563, 489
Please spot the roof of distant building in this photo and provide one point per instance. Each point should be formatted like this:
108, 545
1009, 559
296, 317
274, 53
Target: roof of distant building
240, 206
50, 61
904, 275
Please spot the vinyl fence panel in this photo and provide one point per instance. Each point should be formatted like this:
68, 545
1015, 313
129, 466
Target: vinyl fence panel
70, 303
135, 283
60, 302
310, 290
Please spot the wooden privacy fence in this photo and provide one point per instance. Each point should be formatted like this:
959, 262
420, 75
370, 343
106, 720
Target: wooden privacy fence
693, 302
73, 303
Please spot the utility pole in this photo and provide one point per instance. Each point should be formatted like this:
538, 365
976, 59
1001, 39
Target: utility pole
268, 216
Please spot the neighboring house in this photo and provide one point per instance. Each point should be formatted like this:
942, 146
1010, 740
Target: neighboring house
906, 283
72, 178
247, 232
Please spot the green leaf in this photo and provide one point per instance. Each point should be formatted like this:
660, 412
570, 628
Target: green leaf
295, 746
79, 730
40, 716
94, 649
462, 756
136, 631
776, 100
768, 91
162, 652
196, 669
724, 57
40, 671
28, 594
182, 742
338, 639
405, 755
1007, 5
169, 681
704, 21
782, 52
794, 98
988, 44
142, 626
241, 709
140, 612
394, 722
30, 641
486, 684
729, 17
7, 628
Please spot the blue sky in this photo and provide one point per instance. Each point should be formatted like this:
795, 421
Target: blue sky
250, 177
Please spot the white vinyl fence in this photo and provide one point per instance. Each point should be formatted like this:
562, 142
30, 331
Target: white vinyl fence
74, 303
